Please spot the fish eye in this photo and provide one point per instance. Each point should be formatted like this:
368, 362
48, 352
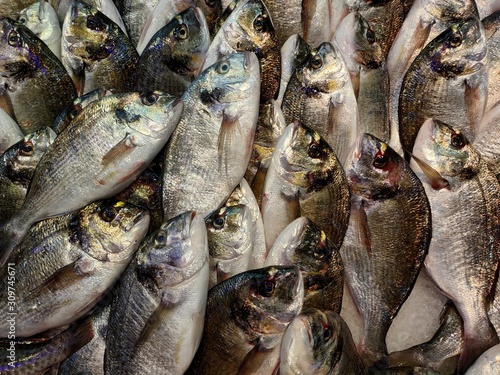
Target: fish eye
22, 20
319, 254
95, 23
457, 140
316, 62
327, 333
160, 239
149, 99
314, 150
210, 3
258, 22
108, 214
181, 31
380, 160
14, 39
370, 35
267, 288
455, 39
223, 68
27, 148
219, 222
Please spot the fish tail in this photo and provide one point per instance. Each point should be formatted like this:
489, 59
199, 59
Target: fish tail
475, 344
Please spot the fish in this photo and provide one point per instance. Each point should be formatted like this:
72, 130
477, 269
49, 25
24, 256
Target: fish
319, 342
229, 231
33, 357
491, 26
306, 246
10, 132
463, 267
387, 239
487, 364
175, 54
33, 80
320, 95
202, 168
403, 370
79, 254
446, 81
287, 18
486, 141
157, 316
126, 130
96, 52
305, 178
246, 315
249, 27
42, 20
17, 166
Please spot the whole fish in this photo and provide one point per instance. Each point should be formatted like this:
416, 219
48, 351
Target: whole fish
491, 26
32, 79
99, 154
79, 254
386, 241
463, 194
319, 342
246, 315
42, 19
174, 56
229, 231
157, 316
9, 131
209, 150
306, 246
305, 178
447, 81
320, 95
249, 27
96, 52
35, 356
17, 166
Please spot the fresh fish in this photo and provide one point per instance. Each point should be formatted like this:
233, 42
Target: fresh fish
247, 315
315, 19
287, 18
441, 352
37, 356
306, 246
157, 317
487, 141
32, 79
174, 56
17, 166
305, 178
487, 364
229, 232
166, 10
96, 52
491, 26
42, 20
320, 95
463, 194
202, 167
447, 81
249, 28
387, 239
99, 154
79, 254
319, 342
9, 131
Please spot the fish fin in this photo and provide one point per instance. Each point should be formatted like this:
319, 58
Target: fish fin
359, 217
255, 359
308, 8
121, 150
221, 275
474, 105
78, 77
436, 180
79, 334
230, 125
136, 170
154, 321
474, 346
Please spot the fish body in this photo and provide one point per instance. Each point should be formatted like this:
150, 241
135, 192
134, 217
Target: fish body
491, 26
287, 18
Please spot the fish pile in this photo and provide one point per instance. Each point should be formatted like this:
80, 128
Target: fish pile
249, 187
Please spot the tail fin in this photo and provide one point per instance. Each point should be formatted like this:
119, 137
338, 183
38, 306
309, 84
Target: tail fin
474, 346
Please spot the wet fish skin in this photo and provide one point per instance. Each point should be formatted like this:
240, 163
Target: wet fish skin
96, 52
386, 241
245, 314
473, 255
319, 342
174, 56
287, 18
161, 301
82, 253
28, 71
491, 26
223, 101
306, 246
128, 130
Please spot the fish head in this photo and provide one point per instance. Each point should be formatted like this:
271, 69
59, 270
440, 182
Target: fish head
41, 18
110, 231
460, 50
211, 9
446, 150
368, 50
303, 158
231, 79
229, 231
176, 252
269, 298
89, 34
376, 170
23, 157
161, 110
323, 71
